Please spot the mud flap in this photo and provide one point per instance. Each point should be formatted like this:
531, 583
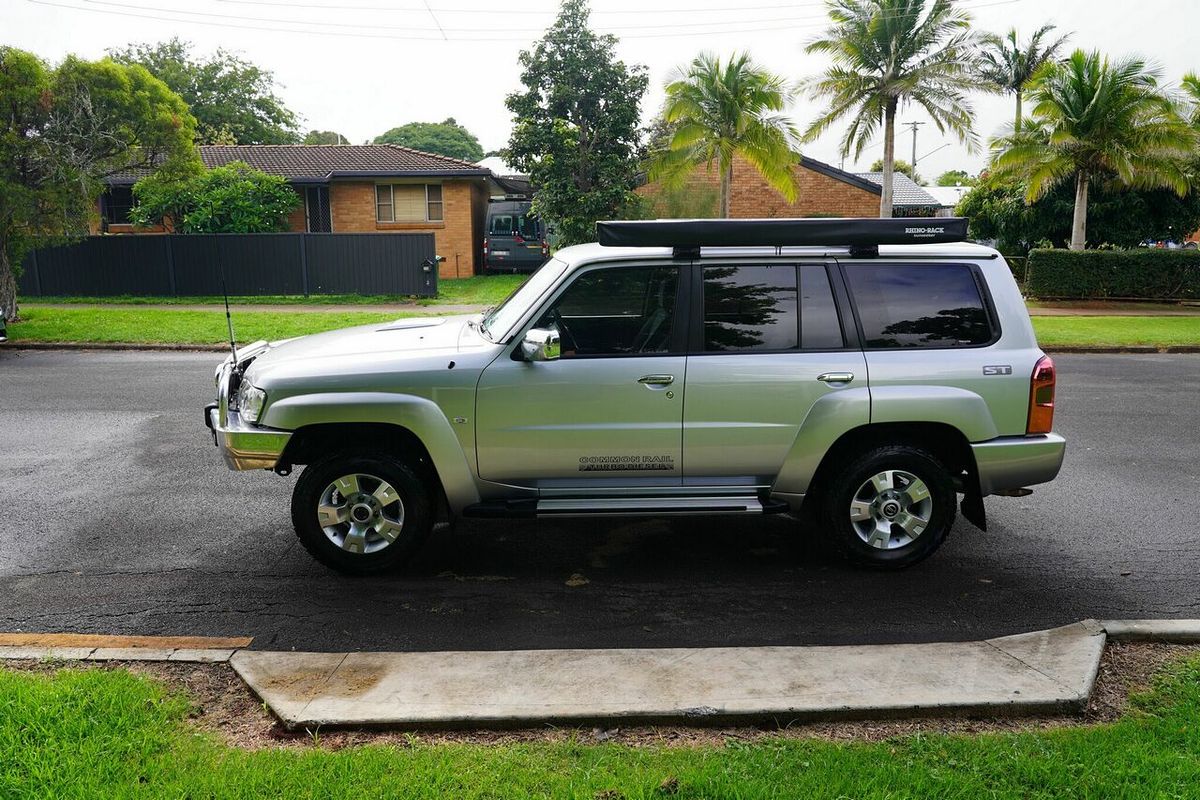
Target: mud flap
972, 508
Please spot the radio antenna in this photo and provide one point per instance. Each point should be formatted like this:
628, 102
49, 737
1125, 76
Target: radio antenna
228, 317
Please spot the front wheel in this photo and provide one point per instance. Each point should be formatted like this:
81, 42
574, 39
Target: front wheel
361, 514
891, 507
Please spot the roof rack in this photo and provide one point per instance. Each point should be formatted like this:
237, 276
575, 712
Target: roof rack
862, 235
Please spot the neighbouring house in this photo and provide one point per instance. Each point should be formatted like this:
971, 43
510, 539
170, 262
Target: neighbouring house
510, 184
823, 190
369, 188
948, 197
909, 198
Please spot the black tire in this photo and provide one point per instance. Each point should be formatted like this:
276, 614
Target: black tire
844, 488
414, 495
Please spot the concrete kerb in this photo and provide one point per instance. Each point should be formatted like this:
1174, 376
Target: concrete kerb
1166, 631
95, 647
1050, 671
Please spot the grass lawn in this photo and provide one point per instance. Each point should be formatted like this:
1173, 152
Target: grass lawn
99, 733
152, 325
480, 290
1117, 331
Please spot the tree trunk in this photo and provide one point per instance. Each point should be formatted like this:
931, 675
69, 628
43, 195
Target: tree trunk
726, 187
1017, 118
8, 288
889, 159
1079, 220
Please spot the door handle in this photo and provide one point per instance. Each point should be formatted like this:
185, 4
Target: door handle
656, 380
836, 377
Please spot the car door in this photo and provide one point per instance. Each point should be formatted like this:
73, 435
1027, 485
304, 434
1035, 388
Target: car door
609, 411
769, 343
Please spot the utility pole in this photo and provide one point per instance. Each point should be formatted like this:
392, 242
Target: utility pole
914, 126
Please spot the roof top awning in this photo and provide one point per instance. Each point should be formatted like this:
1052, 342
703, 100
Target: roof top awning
687, 236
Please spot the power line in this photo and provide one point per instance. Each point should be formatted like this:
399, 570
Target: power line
435, 21
521, 34
690, 10
507, 11
439, 28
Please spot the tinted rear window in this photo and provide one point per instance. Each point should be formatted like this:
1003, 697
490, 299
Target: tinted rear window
750, 308
919, 305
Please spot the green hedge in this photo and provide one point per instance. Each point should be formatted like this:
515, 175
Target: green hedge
1117, 274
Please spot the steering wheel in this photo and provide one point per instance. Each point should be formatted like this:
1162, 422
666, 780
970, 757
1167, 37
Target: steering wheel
566, 338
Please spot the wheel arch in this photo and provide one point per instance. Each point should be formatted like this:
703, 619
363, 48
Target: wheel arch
378, 421
944, 441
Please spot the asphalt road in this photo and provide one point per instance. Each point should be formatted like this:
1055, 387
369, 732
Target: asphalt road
117, 516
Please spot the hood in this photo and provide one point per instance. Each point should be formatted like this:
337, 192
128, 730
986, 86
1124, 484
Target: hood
370, 346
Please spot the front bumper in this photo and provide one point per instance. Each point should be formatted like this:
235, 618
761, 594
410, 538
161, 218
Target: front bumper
1014, 462
245, 446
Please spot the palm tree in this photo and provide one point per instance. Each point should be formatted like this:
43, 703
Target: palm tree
1007, 65
888, 53
1191, 94
1093, 119
720, 110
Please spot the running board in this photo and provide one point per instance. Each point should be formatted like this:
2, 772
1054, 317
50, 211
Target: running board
623, 507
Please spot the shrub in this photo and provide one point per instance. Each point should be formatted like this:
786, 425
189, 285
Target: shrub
1134, 274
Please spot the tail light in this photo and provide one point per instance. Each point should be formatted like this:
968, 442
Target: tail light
485, 246
1041, 397
545, 248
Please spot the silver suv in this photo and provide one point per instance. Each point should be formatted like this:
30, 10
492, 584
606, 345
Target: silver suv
861, 374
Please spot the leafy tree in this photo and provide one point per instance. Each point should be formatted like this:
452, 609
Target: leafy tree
1095, 119
955, 177
234, 198
717, 111
694, 199
1117, 216
324, 137
446, 138
232, 99
900, 166
63, 129
1008, 65
889, 53
576, 131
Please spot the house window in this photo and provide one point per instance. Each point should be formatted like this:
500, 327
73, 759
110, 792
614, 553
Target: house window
115, 205
408, 202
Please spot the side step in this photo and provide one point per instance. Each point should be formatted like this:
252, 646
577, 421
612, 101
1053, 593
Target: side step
622, 507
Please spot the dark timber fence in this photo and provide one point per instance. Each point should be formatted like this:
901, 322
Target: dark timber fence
253, 264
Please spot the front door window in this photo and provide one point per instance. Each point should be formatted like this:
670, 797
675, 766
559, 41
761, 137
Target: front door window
616, 311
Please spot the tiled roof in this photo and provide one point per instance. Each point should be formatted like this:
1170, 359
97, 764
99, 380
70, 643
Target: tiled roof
839, 174
905, 191
317, 163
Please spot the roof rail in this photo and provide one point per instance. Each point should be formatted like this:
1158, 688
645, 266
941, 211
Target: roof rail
687, 236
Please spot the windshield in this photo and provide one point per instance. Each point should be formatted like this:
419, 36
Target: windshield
497, 322
516, 224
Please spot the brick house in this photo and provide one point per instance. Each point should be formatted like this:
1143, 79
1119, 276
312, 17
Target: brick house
823, 190
372, 188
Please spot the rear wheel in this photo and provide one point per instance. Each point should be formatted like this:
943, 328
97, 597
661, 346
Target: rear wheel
891, 507
361, 514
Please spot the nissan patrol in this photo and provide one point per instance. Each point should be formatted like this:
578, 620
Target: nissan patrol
862, 374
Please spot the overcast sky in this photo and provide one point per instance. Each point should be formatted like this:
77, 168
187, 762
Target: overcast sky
362, 66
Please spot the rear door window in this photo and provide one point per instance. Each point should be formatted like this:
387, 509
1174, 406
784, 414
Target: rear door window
751, 308
919, 305
762, 308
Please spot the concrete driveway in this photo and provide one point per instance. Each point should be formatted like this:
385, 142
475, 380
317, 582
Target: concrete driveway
118, 517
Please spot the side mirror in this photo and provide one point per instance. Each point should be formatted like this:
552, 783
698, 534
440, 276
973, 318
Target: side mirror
541, 344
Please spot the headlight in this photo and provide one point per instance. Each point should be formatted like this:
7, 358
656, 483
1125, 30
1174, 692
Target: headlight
250, 401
